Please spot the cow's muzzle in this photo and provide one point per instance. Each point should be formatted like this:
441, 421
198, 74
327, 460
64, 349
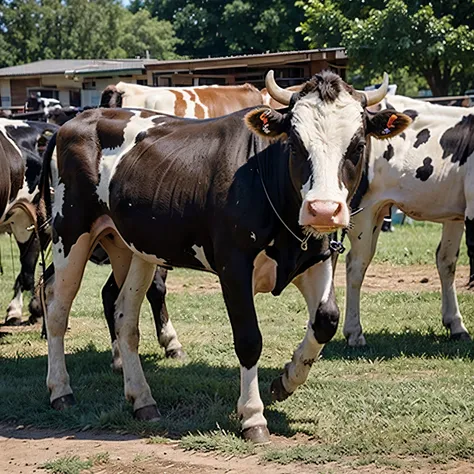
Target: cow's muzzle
324, 216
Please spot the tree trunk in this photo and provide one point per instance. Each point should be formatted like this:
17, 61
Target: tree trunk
438, 81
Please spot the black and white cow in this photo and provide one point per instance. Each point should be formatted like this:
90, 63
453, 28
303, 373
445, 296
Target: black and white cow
21, 146
426, 172
250, 196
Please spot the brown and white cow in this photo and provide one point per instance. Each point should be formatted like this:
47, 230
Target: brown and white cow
192, 102
250, 197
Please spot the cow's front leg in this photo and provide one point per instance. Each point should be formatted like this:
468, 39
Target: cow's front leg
127, 310
363, 237
316, 285
236, 280
446, 258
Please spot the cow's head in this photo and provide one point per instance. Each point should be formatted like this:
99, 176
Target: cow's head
111, 97
326, 127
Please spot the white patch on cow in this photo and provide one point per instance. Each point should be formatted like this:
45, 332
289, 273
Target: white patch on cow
148, 257
253, 236
15, 308
326, 130
250, 405
111, 156
201, 256
11, 123
59, 258
306, 188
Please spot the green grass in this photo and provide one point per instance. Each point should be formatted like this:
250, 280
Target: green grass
408, 395
74, 464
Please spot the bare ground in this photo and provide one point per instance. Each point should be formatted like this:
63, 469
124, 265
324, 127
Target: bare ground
379, 277
24, 451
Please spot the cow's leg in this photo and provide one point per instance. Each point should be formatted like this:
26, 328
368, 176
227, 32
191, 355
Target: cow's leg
165, 331
236, 282
316, 285
60, 293
363, 237
127, 310
446, 257
28, 245
470, 249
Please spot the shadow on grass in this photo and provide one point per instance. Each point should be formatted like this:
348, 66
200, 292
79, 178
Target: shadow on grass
193, 397
386, 345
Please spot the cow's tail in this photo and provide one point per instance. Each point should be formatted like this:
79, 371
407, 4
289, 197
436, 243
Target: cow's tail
46, 178
44, 227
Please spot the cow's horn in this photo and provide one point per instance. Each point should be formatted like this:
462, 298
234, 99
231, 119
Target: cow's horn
374, 97
280, 95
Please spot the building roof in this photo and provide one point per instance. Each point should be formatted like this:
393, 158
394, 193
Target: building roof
74, 66
84, 67
248, 60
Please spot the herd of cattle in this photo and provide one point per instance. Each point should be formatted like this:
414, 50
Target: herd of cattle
250, 185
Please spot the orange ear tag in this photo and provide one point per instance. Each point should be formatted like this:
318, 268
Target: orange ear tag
392, 119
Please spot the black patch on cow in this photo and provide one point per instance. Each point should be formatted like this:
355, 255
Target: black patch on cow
326, 320
389, 105
411, 113
458, 141
425, 171
402, 135
327, 84
388, 153
422, 137
140, 137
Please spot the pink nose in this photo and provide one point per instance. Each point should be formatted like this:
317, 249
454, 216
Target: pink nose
324, 215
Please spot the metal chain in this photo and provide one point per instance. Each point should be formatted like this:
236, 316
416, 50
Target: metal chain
303, 242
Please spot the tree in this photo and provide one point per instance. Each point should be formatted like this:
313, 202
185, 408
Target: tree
434, 40
217, 28
80, 29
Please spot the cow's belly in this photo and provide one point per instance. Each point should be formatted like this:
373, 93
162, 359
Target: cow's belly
437, 199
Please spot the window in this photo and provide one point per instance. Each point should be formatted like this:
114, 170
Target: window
75, 98
88, 85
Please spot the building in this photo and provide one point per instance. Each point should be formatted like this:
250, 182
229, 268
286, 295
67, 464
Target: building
292, 67
80, 82
73, 82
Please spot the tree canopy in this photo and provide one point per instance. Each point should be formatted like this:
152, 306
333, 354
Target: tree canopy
80, 29
224, 27
432, 39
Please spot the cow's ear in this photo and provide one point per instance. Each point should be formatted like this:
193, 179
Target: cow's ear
387, 124
267, 122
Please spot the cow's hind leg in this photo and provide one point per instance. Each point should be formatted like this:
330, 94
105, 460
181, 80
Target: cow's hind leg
316, 285
127, 309
28, 245
446, 258
167, 336
60, 293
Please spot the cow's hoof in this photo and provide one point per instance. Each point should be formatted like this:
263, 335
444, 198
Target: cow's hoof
148, 413
64, 402
356, 340
278, 391
177, 354
116, 366
257, 434
461, 336
13, 321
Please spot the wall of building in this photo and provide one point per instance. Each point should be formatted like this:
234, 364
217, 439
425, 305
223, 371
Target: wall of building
5, 93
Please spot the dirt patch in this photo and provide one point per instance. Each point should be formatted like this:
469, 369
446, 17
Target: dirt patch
379, 277
24, 451
386, 277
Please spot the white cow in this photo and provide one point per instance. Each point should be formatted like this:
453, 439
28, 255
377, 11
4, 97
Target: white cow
428, 172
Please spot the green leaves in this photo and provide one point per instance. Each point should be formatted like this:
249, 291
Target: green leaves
425, 38
81, 29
